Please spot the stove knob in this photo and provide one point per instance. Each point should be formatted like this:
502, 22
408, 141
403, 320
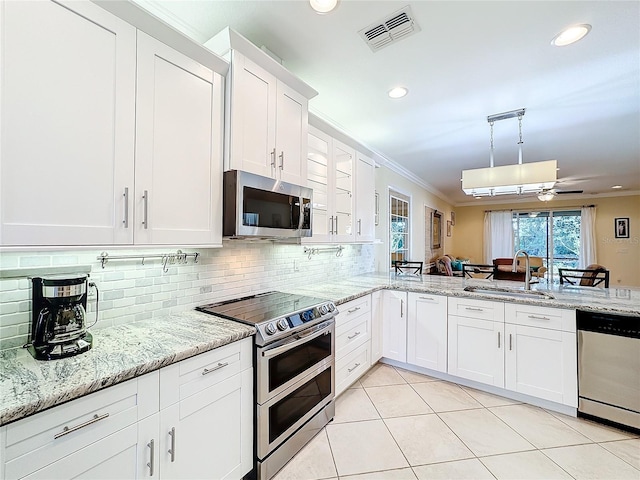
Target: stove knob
270, 329
307, 315
332, 307
282, 324
323, 310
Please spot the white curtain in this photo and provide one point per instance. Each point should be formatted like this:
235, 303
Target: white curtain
587, 237
498, 235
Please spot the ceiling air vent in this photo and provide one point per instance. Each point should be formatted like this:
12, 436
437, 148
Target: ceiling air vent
390, 29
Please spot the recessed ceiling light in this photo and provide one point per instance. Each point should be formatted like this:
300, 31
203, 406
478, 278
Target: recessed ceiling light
571, 35
617, 186
323, 6
398, 92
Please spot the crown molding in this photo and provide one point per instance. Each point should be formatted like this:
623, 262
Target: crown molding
533, 198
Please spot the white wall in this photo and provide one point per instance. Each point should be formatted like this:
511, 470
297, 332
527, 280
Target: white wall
131, 292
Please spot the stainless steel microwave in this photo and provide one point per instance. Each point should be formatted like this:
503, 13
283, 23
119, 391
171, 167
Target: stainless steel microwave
256, 206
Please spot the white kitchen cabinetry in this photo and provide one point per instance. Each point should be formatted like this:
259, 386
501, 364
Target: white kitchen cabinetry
394, 325
365, 198
330, 175
541, 357
92, 437
427, 331
376, 326
476, 340
68, 114
206, 416
107, 103
267, 111
353, 341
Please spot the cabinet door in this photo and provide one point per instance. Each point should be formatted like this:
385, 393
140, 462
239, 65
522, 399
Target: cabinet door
113, 457
178, 194
343, 167
476, 349
319, 174
376, 326
253, 118
67, 114
541, 363
394, 325
210, 434
365, 199
427, 331
292, 119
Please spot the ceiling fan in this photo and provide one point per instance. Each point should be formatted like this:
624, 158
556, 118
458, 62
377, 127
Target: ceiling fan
548, 194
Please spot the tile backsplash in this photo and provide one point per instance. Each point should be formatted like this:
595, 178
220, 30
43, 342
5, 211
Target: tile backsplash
130, 291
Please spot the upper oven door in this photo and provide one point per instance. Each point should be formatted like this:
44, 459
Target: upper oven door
264, 207
281, 364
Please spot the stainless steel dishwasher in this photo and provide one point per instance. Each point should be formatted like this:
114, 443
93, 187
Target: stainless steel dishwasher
609, 367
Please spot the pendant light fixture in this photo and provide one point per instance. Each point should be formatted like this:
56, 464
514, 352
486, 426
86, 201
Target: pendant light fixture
516, 179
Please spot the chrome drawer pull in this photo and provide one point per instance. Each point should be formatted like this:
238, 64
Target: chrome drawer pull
151, 458
474, 309
427, 298
206, 371
353, 310
172, 450
535, 317
354, 367
354, 335
68, 430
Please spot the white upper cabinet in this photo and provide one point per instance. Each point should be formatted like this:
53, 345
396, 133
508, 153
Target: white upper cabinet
365, 198
343, 168
178, 173
106, 141
267, 111
67, 114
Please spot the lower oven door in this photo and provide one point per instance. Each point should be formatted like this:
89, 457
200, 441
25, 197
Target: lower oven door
281, 416
281, 364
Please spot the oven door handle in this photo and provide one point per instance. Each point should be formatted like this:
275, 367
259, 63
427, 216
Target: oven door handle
322, 329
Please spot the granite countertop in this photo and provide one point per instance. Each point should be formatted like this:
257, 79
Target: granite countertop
624, 301
119, 353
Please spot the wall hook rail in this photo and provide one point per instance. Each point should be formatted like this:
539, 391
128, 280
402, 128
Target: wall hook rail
310, 251
167, 259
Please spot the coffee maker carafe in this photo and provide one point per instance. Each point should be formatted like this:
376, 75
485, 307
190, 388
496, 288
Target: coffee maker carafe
58, 327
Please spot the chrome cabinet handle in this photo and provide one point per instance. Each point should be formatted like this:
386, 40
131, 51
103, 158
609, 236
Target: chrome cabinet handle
273, 157
145, 197
353, 310
427, 298
401, 308
474, 309
331, 229
354, 367
207, 371
172, 450
359, 226
68, 430
498, 339
125, 222
510, 342
151, 457
336, 224
281, 157
535, 317
353, 336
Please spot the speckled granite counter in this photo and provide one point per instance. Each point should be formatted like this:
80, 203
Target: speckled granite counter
611, 300
28, 386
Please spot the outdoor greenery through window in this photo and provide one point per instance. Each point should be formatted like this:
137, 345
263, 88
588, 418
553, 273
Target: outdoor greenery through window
399, 222
552, 235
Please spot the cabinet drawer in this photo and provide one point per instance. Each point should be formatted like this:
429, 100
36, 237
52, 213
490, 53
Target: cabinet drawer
350, 310
351, 367
190, 376
472, 308
356, 332
41, 439
543, 317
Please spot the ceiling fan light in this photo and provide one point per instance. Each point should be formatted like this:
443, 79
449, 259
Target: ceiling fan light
323, 6
571, 35
546, 196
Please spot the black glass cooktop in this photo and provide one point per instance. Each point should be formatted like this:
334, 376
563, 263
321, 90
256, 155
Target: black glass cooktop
264, 307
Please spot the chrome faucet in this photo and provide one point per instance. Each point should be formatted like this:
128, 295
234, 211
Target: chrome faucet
527, 274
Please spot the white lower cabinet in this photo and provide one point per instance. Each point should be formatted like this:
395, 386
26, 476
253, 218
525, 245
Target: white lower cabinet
205, 429
394, 325
353, 341
427, 331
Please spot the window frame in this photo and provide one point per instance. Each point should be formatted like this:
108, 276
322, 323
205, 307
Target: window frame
402, 197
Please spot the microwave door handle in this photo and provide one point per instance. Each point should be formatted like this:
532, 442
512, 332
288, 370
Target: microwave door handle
301, 217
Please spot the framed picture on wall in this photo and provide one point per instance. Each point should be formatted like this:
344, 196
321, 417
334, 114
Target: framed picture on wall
436, 230
449, 223
621, 227
453, 219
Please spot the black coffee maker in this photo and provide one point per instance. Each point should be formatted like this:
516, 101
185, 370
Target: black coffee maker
58, 327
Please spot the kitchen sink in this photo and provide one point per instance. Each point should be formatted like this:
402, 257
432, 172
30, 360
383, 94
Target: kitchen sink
509, 292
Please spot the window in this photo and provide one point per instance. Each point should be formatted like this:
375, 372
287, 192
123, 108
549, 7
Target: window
552, 235
399, 222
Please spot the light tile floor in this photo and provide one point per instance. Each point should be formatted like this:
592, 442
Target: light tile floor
397, 425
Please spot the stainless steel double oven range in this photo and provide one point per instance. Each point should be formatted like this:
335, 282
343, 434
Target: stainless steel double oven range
294, 371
